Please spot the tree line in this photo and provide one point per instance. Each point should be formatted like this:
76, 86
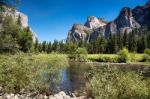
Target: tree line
14, 38
136, 41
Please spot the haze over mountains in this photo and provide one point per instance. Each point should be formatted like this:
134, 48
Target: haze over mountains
127, 20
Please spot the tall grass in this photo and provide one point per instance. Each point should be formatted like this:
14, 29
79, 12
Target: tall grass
30, 72
111, 83
114, 58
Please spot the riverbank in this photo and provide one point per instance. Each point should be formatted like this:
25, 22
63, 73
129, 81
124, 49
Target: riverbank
35, 95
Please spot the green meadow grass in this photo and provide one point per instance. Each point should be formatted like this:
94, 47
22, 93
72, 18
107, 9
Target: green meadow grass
134, 57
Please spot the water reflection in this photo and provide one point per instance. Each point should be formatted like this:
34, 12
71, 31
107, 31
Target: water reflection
74, 77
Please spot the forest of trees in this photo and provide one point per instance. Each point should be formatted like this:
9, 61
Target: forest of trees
136, 41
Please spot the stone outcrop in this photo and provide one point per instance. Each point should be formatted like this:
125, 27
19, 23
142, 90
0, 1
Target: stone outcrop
94, 22
127, 20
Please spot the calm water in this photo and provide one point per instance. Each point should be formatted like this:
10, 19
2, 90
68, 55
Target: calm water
74, 77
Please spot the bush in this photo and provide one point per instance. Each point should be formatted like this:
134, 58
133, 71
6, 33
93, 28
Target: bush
146, 57
124, 55
80, 54
147, 51
108, 82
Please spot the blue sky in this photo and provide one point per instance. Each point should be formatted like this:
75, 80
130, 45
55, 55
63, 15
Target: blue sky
52, 19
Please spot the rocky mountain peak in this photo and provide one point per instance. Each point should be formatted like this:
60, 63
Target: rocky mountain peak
127, 20
126, 11
142, 14
94, 22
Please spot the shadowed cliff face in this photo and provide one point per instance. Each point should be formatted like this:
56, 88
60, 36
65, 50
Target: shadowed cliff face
142, 14
127, 20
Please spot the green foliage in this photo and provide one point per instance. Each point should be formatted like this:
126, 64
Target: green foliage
78, 54
147, 51
30, 72
147, 55
124, 55
81, 54
108, 82
13, 38
114, 58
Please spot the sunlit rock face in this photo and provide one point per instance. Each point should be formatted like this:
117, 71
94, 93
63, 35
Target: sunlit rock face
15, 15
94, 22
92, 29
78, 33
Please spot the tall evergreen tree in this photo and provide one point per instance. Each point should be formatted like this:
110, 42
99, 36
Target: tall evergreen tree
44, 46
125, 40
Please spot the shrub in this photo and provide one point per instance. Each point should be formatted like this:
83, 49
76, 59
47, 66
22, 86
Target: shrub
146, 57
124, 55
108, 82
147, 51
80, 54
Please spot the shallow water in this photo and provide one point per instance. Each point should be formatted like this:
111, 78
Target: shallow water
74, 77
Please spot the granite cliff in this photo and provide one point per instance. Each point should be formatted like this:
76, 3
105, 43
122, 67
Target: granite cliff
127, 20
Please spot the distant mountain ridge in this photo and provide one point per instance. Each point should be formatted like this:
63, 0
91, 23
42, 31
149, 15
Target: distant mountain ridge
127, 20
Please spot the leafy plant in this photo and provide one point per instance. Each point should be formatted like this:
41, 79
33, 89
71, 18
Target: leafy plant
124, 55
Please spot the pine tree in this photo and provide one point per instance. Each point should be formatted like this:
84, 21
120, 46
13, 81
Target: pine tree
132, 42
49, 49
119, 41
125, 40
114, 44
44, 46
19, 20
55, 46
36, 46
